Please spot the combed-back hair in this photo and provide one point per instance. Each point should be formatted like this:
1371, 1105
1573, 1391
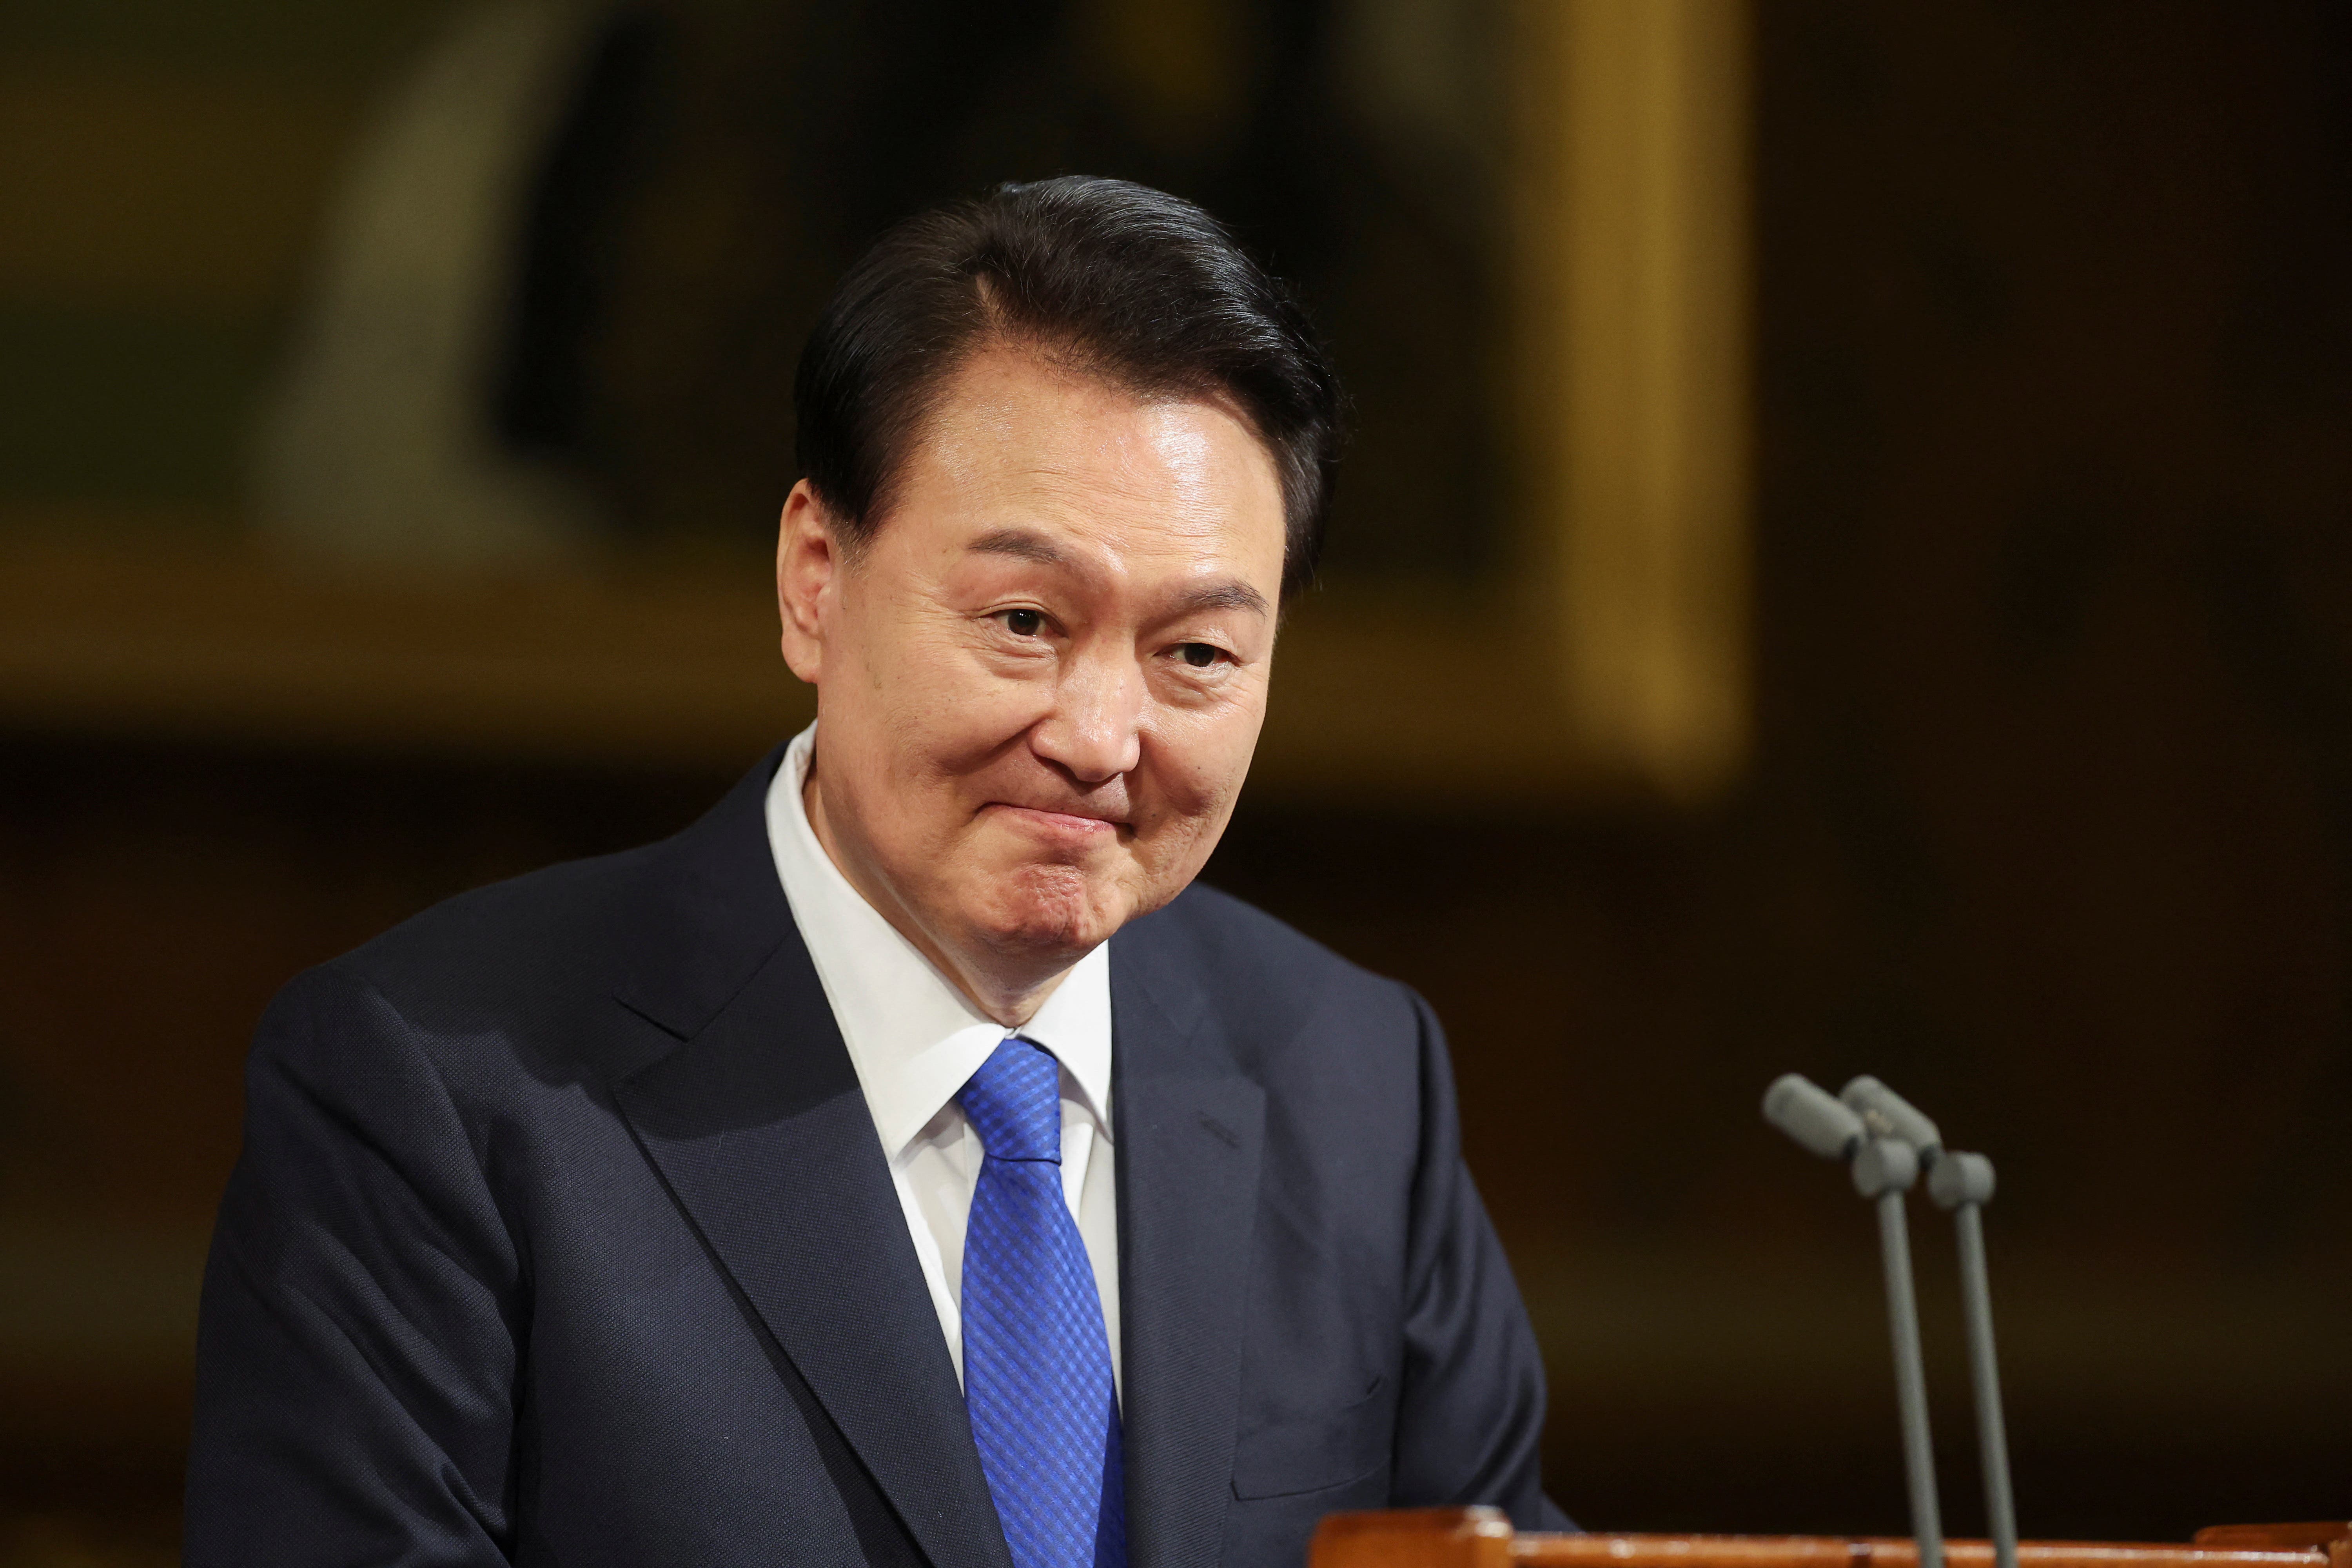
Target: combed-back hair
1114, 279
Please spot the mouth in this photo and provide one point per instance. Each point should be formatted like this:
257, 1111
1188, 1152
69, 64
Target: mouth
1061, 825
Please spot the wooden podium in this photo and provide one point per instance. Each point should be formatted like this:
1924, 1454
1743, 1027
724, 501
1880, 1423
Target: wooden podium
1483, 1538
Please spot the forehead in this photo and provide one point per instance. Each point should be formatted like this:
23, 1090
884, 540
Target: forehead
1018, 438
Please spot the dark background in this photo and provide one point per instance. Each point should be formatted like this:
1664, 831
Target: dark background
2046, 822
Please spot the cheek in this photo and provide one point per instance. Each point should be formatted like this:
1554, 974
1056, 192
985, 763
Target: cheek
1212, 746
944, 712
1202, 760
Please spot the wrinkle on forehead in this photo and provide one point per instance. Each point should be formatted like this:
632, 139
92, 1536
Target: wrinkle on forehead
1074, 450
1220, 593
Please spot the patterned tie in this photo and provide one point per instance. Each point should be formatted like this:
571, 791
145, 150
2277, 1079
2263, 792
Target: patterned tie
1036, 1362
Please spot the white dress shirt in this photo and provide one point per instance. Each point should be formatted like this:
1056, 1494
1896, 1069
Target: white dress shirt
914, 1041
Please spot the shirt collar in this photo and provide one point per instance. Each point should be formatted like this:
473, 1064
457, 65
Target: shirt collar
912, 1036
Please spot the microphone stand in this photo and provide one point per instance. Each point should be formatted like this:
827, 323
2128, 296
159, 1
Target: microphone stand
1961, 1184
1884, 1169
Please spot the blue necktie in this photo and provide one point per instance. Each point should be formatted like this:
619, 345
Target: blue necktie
1036, 1362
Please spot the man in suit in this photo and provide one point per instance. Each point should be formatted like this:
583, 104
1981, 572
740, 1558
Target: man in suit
904, 1163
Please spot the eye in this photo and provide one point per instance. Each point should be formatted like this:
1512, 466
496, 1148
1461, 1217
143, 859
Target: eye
1200, 655
1023, 623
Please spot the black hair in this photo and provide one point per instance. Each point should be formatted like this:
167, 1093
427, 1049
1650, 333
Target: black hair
1123, 280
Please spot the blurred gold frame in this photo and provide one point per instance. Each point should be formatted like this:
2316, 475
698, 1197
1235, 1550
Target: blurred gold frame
1608, 661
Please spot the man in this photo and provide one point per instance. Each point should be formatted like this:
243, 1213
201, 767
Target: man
901, 1166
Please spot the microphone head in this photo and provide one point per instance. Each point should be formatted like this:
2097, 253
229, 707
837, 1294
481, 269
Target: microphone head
1960, 1179
1887, 1114
1812, 1116
1884, 1165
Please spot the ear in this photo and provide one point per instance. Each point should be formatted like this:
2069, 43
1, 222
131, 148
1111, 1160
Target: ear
808, 560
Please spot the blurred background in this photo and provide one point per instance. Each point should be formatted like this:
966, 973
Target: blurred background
1843, 567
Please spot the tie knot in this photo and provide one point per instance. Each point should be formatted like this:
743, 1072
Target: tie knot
1014, 1103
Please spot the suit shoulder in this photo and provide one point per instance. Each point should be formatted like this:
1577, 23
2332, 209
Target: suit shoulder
472, 999
559, 917
1250, 951
1332, 1044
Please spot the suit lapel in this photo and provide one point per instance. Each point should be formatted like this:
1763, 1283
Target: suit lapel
757, 1122
1189, 1131
758, 1125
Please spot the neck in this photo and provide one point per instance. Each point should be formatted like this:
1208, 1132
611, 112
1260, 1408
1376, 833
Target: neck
1007, 994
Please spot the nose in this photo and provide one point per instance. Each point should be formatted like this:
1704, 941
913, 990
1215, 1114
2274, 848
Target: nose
1095, 733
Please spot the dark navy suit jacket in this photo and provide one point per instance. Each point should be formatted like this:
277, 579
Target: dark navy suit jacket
561, 1234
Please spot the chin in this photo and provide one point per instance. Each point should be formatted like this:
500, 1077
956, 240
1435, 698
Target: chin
1053, 914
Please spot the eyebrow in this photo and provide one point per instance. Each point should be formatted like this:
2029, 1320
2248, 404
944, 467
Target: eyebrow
1020, 544
1232, 593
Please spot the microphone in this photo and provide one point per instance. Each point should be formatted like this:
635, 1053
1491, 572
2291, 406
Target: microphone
1888, 1115
1809, 1114
1961, 1184
1884, 1169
